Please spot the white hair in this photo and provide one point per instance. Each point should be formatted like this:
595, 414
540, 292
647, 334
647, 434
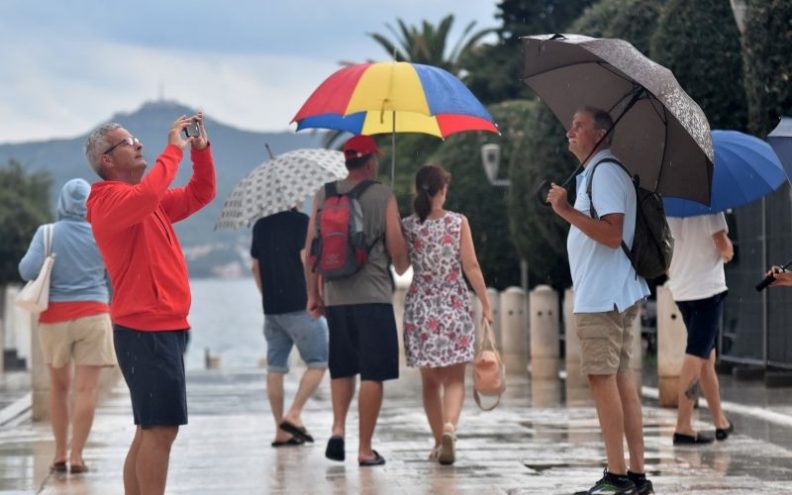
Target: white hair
97, 143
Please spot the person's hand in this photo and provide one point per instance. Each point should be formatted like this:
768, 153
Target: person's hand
780, 276
175, 135
486, 314
201, 141
315, 306
557, 197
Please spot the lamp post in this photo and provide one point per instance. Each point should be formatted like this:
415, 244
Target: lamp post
490, 159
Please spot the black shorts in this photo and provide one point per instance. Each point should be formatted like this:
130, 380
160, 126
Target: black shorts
153, 366
703, 320
363, 341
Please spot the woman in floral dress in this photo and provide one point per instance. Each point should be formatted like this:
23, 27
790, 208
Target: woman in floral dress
439, 335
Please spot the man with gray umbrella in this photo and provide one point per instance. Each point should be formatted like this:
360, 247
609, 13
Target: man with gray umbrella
608, 293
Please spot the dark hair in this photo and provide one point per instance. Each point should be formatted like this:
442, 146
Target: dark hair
429, 180
602, 121
355, 163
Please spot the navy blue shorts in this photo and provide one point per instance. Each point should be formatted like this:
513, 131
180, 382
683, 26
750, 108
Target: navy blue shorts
363, 341
153, 366
703, 320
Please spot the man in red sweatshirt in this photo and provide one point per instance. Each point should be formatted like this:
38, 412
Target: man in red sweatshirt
132, 219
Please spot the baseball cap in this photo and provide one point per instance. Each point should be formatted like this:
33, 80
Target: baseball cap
358, 146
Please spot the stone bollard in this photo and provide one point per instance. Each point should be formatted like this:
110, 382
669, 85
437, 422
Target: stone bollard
671, 338
514, 330
576, 384
211, 362
545, 337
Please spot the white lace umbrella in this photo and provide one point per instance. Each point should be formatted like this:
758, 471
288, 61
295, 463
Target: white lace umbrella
279, 184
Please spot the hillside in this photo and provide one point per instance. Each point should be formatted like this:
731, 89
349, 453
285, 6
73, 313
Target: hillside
236, 152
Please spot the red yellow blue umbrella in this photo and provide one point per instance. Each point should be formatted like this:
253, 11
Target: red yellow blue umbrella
391, 97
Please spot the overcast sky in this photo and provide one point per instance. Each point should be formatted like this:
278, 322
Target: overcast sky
65, 66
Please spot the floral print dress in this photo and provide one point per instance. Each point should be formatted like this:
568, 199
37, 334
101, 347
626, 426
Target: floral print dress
438, 318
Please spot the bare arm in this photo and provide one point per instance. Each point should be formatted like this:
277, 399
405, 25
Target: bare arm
315, 305
605, 230
394, 238
254, 267
724, 245
472, 269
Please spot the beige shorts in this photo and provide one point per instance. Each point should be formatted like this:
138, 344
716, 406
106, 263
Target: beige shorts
86, 341
605, 340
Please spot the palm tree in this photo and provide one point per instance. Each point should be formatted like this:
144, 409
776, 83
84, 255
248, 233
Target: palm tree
427, 44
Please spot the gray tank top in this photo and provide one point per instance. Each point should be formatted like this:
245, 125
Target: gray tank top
372, 284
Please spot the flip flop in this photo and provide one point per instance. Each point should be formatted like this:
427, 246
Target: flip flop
292, 442
335, 449
297, 431
378, 460
58, 467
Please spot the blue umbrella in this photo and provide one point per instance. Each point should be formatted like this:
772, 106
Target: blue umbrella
746, 169
781, 141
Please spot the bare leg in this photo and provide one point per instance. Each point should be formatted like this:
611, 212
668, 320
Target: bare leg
341, 391
308, 383
611, 419
275, 396
131, 486
86, 383
369, 403
711, 389
153, 457
454, 393
60, 380
433, 405
689, 389
633, 419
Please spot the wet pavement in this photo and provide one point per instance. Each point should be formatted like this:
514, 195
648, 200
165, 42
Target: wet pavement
534, 443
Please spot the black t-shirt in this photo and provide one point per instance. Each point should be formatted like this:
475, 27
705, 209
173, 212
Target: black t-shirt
277, 241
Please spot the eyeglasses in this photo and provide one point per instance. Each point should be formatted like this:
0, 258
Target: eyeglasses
130, 141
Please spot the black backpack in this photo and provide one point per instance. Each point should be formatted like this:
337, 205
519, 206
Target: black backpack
653, 245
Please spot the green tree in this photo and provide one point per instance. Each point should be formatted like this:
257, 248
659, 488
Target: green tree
24, 205
768, 65
700, 43
494, 71
631, 20
428, 43
539, 153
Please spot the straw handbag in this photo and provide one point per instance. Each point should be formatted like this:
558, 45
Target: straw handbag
489, 373
34, 296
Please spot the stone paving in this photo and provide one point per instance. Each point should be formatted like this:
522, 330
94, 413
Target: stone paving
534, 443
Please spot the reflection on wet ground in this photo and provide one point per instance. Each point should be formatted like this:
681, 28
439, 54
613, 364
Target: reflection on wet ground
532, 444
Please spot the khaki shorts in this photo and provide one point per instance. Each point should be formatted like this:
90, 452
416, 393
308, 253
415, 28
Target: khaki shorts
605, 341
86, 341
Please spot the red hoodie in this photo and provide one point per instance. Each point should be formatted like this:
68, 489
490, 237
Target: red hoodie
133, 229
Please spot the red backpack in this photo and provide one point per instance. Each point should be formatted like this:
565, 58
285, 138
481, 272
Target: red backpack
339, 247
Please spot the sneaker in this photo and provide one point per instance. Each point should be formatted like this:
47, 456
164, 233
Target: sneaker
642, 485
611, 484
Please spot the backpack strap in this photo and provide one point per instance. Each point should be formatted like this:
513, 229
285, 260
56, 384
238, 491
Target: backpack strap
331, 189
591, 200
357, 191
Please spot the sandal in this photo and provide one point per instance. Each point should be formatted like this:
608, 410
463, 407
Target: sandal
292, 442
696, 439
723, 433
335, 449
435, 453
298, 431
447, 448
377, 460
78, 468
59, 467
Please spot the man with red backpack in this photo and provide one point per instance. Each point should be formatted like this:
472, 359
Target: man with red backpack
354, 233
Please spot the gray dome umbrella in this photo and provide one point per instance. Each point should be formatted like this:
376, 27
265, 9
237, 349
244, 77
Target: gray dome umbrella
279, 184
660, 133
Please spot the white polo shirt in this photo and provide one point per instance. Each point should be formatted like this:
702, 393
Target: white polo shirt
603, 277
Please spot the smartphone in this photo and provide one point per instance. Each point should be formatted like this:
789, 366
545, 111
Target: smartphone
191, 130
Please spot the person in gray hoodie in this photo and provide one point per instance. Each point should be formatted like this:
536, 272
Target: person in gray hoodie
76, 327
